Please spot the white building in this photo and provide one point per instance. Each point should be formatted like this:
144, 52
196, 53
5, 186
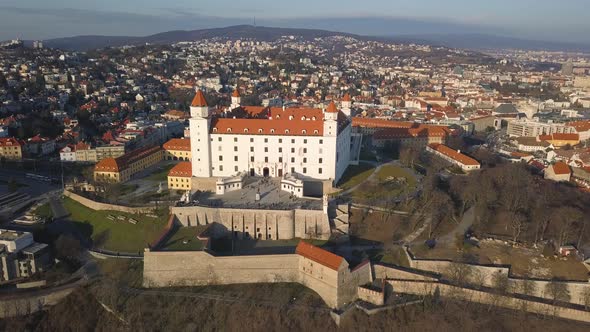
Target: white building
269, 141
530, 128
68, 153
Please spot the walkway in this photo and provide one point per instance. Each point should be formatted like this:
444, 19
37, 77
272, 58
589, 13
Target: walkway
462, 227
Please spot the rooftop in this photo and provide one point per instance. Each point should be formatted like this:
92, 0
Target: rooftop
319, 255
455, 155
178, 144
182, 169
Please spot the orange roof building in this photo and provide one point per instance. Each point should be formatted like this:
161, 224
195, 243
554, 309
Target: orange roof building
11, 148
560, 139
121, 169
178, 149
179, 177
559, 171
320, 256
466, 163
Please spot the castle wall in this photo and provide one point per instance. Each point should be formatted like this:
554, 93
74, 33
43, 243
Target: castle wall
263, 224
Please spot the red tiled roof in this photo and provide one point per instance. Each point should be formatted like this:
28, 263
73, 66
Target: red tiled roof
178, 144
199, 100
463, 159
319, 255
561, 168
332, 108
236, 93
290, 121
346, 97
580, 125
380, 123
120, 163
182, 169
420, 131
559, 137
11, 141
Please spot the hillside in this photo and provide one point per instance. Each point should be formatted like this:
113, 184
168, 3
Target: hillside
232, 32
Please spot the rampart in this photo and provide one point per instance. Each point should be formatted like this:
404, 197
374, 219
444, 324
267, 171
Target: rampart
107, 207
259, 224
505, 301
483, 275
197, 268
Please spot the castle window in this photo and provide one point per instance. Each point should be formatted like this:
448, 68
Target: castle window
260, 131
272, 131
286, 131
214, 130
316, 131
229, 130
304, 131
245, 130
290, 117
302, 118
313, 118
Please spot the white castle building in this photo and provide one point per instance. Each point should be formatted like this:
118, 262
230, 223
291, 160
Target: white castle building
313, 144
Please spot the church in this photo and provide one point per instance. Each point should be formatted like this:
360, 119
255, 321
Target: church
313, 144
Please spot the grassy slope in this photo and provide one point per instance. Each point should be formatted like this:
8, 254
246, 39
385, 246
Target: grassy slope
115, 235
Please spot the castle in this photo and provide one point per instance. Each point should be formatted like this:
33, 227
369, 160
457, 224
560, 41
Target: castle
311, 143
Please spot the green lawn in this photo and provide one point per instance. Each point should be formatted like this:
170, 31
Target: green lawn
44, 211
115, 235
161, 173
354, 175
176, 240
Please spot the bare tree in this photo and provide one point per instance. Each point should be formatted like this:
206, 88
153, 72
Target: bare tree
557, 291
517, 224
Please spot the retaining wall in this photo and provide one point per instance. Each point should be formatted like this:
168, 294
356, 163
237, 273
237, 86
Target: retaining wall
485, 274
107, 207
428, 288
264, 224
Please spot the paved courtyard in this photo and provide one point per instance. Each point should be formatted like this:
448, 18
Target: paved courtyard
271, 197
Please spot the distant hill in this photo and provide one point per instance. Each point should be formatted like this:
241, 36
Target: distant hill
238, 31
473, 41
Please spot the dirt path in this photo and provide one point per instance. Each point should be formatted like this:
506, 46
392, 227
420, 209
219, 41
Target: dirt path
462, 227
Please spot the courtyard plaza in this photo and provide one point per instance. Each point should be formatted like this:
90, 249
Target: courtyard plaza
270, 197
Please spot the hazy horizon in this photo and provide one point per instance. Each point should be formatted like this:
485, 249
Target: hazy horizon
526, 19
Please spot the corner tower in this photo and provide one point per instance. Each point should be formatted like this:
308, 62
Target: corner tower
200, 124
236, 99
347, 105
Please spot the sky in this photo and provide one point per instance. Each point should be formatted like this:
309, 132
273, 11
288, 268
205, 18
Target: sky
564, 20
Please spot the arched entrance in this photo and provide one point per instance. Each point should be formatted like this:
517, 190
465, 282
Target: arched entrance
266, 172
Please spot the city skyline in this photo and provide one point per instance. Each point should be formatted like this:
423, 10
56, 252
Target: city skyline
375, 17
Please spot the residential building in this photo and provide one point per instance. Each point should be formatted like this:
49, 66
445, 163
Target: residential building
177, 149
180, 176
531, 144
530, 128
417, 136
21, 256
121, 169
560, 140
11, 148
466, 163
559, 171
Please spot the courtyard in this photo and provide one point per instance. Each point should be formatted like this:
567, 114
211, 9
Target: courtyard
271, 197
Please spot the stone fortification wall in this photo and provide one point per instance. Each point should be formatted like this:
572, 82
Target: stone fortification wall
164, 269
107, 207
484, 276
391, 272
428, 288
371, 296
263, 224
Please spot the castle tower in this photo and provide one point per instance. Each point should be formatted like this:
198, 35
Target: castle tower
200, 124
331, 120
347, 105
236, 99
